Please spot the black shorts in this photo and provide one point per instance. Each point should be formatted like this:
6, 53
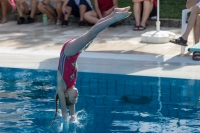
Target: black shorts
75, 7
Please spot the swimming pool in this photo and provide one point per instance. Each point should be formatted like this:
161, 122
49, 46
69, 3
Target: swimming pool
107, 103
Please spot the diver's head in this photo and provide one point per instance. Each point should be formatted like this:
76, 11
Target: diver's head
71, 96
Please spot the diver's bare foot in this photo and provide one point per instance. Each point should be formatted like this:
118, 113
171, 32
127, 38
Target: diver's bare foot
120, 10
121, 15
125, 9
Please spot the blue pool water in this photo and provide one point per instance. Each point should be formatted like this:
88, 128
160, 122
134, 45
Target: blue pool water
107, 103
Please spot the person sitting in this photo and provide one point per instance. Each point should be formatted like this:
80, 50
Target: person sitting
6, 7
143, 8
194, 5
102, 9
27, 7
193, 22
52, 8
196, 55
77, 8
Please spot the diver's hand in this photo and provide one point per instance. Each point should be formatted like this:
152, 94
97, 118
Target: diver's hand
72, 118
64, 116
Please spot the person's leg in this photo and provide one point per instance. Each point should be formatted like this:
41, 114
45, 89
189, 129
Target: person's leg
82, 10
68, 10
41, 8
48, 10
6, 8
91, 17
191, 21
59, 13
22, 9
23, 6
34, 8
147, 8
83, 41
196, 29
67, 13
19, 10
137, 13
51, 8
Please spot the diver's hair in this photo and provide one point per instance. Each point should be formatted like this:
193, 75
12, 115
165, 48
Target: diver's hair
56, 100
68, 103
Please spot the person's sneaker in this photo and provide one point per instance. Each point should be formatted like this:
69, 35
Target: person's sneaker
81, 24
21, 20
29, 20
64, 23
58, 22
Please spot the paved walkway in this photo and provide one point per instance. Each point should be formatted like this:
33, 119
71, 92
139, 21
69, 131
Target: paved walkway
115, 50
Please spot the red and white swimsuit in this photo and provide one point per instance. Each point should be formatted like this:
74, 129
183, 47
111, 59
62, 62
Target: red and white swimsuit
68, 67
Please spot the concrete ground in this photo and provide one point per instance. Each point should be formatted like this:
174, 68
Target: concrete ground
116, 50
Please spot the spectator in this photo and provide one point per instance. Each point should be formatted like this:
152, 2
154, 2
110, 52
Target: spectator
27, 7
143, 8
194, 5
193, 22
102, 9
6, 7
196, 55
78, 8
197, 29
53, 10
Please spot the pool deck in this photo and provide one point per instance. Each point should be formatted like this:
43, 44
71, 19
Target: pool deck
116, 50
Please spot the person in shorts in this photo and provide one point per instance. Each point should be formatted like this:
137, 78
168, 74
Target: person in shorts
27, 7
77, 8
143, 10
52, 8
6, 7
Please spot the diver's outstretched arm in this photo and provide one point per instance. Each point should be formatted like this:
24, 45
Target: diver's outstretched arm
61, 87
